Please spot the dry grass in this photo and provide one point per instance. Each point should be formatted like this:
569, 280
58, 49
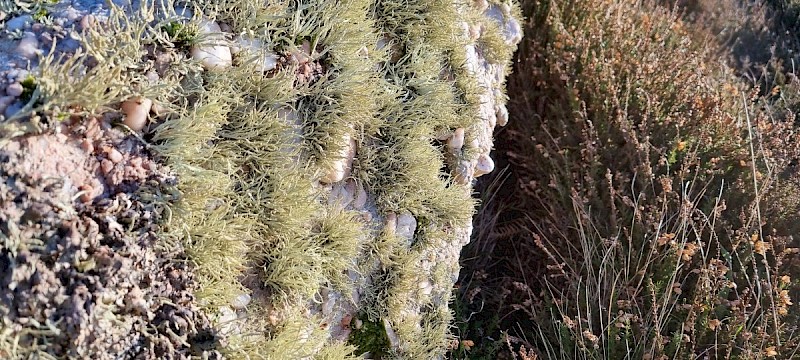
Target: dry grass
652, 199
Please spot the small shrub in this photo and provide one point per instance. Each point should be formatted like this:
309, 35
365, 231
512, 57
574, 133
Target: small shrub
645, 216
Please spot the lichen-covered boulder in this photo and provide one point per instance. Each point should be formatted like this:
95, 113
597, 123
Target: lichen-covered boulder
243, 179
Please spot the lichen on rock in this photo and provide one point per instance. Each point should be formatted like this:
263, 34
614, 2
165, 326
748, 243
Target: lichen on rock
303, 170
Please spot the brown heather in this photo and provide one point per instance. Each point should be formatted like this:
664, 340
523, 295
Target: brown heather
651, 193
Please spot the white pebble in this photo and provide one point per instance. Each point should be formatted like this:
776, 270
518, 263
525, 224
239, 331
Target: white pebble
480, 5
394, 341
71, 14
136, 111
456, 142
29, 46
18, 23
227, 320
260, 57
14, 89
426, 287
88, 21
475, 32
341, 167
502, 115
211, 54
114, 155
152, 77
241, 301
485, 165
406, 226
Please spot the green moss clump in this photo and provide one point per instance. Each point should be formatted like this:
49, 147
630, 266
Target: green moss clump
370, 338
180, 34
28, 87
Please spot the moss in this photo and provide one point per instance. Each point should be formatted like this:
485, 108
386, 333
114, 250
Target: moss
28, 87
370, 337
179, 33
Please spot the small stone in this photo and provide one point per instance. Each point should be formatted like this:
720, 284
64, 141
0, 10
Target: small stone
136, 111
464, 172
363, 52
14, 89
361, 197
46, 38
28, 46
18, 23
256, 52
502, 115
341, 195
71, 14
86, 193
114, 155
406, 226
426, 287
211, 54
21, 75
12, 109
152, 76
390, 224
158, 109
474, 32
394, 341
328, 305
5, 101
108, 297
480, 5
383, 42
87, 146
227, 320
135, 301
341, 167
241, 301
484, 166
456, 142
106, 166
